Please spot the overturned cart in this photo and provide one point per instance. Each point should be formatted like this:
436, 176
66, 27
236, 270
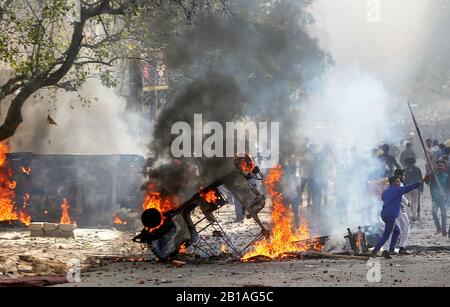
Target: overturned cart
166, 233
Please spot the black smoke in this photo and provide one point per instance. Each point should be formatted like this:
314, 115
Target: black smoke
257, 62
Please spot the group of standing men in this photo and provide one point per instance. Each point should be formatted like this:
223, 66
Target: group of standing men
409, 182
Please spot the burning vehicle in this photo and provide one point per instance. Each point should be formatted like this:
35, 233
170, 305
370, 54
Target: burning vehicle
168, 230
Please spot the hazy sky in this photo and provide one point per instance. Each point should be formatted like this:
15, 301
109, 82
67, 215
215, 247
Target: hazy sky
385, 38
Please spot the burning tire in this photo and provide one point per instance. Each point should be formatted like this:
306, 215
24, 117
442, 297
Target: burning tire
151, 218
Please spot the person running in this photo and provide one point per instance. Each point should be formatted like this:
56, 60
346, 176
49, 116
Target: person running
392, 198
402, 221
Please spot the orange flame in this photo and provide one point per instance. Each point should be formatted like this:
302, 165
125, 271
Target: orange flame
210, 196
26, 170
223, 248
8, 208
282, 236
65, 218
7, 186
154, 200
247, 167
182, 249
24, 217
119, 221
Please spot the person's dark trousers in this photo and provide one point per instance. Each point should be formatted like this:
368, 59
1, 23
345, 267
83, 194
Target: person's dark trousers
294, 203
296, 213
435, 207
239, 209
316, 197
390, 227
304, 182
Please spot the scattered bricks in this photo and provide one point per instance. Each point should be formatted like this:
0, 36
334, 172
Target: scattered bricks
67, 230
36, 226
51, 233
36, 229
67, 227
50, 227
52, 230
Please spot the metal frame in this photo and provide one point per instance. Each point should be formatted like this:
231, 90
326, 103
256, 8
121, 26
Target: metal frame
224, 237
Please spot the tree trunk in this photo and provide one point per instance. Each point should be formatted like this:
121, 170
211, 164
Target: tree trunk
14, 116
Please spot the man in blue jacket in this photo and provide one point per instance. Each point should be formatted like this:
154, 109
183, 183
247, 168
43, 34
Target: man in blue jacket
392, 198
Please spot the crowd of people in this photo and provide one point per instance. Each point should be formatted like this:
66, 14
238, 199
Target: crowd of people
385, 184
323, 175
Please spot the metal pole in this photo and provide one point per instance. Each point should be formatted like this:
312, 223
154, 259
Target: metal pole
424, 148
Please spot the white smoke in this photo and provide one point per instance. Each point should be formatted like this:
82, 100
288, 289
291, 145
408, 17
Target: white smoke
382, 37
350, 112
103, 126
352, 109
377, 47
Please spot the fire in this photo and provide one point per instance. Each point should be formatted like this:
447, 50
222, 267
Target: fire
282, 236
8, 208
65, 218
210, 196
223, 248
245, 163
155, 200
119, 221
7, 186
26, 170
246, 167
182, 249
25, 218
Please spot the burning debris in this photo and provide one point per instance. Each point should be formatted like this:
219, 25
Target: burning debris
169, 229
209, 196
357, 241
26, 170
118, 220
65, 218
88, 189
283, 238
8, 208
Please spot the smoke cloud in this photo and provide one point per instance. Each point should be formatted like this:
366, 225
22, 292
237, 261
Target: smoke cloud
98, 127
255, 65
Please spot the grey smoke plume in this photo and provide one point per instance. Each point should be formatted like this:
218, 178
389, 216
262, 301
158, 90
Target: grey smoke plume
218, 98
257, 63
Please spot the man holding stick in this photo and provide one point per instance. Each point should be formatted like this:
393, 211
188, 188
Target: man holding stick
392, 198
430, 169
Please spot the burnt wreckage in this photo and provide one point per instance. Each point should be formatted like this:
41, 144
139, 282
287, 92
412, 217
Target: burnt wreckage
165, 233
96, 186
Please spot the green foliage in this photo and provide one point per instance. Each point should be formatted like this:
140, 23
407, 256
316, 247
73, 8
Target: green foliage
32, 37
